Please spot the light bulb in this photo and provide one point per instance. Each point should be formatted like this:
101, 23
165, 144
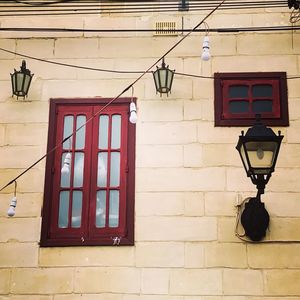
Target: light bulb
205, 46
260, 153
12, 207
67, 161
133, 115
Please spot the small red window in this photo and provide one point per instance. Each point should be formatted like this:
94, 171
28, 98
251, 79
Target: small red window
91, 201
240, 96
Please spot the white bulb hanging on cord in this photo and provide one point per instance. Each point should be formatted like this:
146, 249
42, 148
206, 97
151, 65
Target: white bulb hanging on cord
133, 114
13, 203
66, 166
205, 52
12, 207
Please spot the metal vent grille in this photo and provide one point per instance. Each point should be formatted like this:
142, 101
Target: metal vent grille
165, 28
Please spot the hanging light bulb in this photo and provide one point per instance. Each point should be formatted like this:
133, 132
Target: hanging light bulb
260, 153
205, 46
67, 162
133, 115
12, 207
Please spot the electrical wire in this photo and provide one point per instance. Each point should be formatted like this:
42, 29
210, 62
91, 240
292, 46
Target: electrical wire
118, 96
105, 70
27, 8
178, 31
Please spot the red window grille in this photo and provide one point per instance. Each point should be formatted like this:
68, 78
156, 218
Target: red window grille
240, 96
92, 204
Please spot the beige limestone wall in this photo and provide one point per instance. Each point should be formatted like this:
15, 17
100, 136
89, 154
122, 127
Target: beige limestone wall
188, 176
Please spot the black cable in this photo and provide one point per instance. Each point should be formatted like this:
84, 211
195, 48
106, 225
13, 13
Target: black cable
131, 7
106, 70
70, 65
42, 3
219, 30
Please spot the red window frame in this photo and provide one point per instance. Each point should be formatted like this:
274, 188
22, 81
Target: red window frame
222, 83
88, 233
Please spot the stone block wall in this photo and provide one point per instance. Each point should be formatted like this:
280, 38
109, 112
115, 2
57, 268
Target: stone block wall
189, 177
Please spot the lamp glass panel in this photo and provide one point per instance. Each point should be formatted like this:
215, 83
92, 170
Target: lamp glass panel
170, 78
163, 79
13, 78
261, 154
244, 157
27, 80
156, 79
20, 77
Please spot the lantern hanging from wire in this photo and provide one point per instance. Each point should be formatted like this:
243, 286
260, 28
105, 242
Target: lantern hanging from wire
163, 78
21, 80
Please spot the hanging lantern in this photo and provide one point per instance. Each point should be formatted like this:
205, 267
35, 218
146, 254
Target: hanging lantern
20, 81
163, 78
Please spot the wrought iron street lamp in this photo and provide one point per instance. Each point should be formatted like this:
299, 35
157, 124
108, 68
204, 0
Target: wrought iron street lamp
258, 150
21, 80
163, 78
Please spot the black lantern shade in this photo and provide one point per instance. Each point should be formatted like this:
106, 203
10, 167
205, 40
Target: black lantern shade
259, 149
21, 80
163, 78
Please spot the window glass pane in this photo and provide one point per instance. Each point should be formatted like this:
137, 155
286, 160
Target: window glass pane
114, 209
238, 106
260, 106
238, 91
68, 129
78, 169
115, 169
101, 209
80, 134
103, 132
262, 90
116, 132
63, 214
102, 169
66, 176
76, 209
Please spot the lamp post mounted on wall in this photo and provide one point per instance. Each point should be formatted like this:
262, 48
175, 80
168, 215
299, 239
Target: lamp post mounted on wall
21, 80
258, 149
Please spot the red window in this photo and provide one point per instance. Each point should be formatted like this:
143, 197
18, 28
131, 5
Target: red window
91, 200
240, 96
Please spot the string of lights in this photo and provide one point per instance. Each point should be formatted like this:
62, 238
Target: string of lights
118, 96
